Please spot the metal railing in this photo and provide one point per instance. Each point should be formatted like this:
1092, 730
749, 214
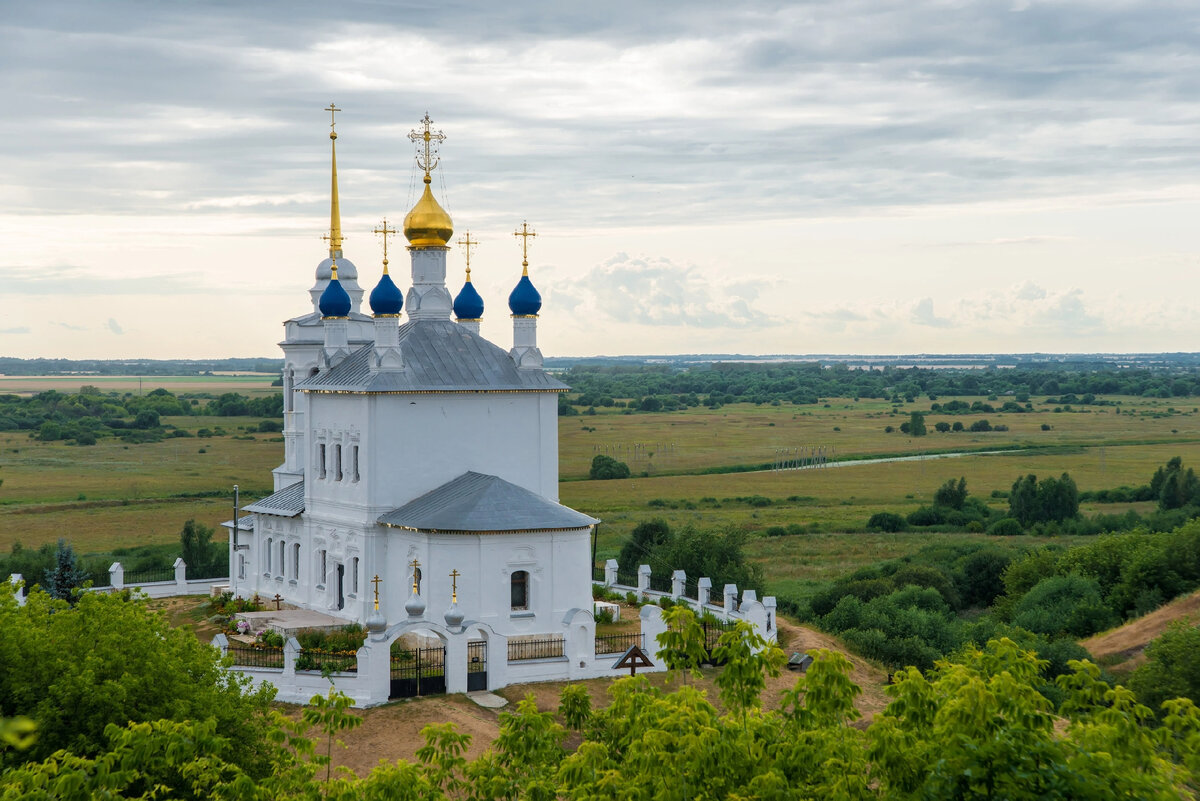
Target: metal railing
660, 582
541, 648
627, 578
619, 643
260, 656
334, 661
136, 577
598, 574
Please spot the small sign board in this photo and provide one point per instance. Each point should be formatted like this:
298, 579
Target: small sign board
633, 659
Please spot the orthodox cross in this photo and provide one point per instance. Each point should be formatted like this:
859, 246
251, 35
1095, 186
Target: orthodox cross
454, 574
385, 232
277, 599
524, 233
333, 110
376, 581
415, 565
427, 142
468, 244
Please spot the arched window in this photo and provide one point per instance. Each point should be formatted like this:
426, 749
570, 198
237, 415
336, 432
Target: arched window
241, 566
270, 547
520, 590
354, 575
296, 561
282, 558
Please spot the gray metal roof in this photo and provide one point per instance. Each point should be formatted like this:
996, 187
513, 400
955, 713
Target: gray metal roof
314, 319
287, 502
439, 356
244, 524
475, 503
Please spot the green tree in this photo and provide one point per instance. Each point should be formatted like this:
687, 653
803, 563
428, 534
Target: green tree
202, 556
66, 576
952, 494
916, 425
606, 467
1172, 669
1064, 605
645, 543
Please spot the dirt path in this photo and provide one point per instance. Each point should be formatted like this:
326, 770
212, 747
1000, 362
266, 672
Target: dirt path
1122, 648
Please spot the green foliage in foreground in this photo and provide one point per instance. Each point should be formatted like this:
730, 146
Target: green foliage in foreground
109, 661
975, 729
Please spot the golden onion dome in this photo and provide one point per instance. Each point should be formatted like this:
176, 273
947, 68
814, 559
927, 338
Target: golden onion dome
428, 224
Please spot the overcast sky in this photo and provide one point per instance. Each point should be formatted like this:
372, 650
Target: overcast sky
842, 177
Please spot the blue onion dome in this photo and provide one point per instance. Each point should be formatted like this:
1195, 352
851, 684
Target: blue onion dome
468, 305
386, 297
334, 300
525, 300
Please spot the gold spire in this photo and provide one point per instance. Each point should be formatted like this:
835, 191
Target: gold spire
333, 270
427, 224
385, 232
524, 233
467, 244
335, 215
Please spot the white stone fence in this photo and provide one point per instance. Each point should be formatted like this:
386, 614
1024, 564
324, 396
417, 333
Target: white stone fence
761, 614
179, 584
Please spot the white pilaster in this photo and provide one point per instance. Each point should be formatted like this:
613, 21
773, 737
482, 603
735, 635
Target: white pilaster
428, 298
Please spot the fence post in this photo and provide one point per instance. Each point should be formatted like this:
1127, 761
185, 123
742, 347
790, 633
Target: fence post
18, 583
116, 576
610, 572
643, 581
221, 643
749, 596
769, 603
678, 580
181, 574
703, 592
291, 651
730, 598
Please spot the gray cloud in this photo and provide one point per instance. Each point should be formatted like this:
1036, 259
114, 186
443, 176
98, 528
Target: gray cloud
69, 326
20, 329
72, 280
115, 327
922, 314
658, 292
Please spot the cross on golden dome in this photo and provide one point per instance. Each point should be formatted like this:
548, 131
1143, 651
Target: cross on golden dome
333, 110
376, 581
454, 574
427, 141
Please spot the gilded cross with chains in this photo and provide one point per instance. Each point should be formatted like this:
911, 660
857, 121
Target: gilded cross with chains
427, 141
376, 581
415, 565
468, 244
333, 110
454, 574
524, 232
385, 232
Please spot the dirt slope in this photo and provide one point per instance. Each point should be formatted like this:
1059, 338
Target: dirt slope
1122, 648
393, 731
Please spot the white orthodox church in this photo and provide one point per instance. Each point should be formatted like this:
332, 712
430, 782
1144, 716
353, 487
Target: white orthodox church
418, 453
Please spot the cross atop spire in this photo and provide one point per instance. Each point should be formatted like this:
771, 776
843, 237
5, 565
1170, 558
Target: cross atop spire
454, 574
524, 232
428, 142
385, 232
334, 237
333, 110
468, 245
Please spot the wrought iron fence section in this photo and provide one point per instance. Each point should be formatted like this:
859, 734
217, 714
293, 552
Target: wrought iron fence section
691, 589
334, 661
135, 577
598, 574
627, 578
619, 643
541, 648
259, 656
660, 582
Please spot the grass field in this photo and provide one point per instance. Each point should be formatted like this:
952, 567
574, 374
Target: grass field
114, 494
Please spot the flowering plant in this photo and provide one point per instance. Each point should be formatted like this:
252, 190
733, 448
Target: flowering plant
243, 626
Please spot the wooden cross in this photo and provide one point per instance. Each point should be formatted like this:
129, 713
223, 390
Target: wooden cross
454, 574
524, 233
427, 142
333, 110
385, 232
376, 581
277, 599
468, 244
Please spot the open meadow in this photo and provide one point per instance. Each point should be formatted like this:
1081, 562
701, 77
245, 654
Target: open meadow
115, 494
252, 384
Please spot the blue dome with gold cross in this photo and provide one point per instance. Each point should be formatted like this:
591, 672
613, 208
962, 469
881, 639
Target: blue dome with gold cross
335, 302
525, 299
386, 297
468, 305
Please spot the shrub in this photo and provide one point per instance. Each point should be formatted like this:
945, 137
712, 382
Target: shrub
886, 521
606, 467
1006, 527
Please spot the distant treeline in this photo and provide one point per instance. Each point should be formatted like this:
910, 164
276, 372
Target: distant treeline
11, 366
665, 388
83, 416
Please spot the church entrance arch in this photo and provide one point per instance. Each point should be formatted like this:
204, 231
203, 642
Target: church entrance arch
418, 665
